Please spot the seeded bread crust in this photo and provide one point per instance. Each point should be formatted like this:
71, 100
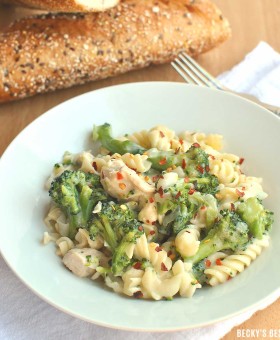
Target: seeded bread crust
64, 5
50, 52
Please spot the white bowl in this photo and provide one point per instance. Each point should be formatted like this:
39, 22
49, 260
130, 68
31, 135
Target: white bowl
250, 132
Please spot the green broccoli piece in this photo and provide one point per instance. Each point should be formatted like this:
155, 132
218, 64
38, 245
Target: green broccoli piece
198, 272
103, 133
119, 228
76, 193
256, 216
230, 232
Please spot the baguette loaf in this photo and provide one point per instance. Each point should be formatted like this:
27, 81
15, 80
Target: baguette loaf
65, 5
50, 52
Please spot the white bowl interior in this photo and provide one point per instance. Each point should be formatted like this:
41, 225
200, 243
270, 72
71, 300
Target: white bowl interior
249, 131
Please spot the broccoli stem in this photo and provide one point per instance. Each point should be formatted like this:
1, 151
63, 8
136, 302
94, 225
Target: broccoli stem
103, 133
108, 233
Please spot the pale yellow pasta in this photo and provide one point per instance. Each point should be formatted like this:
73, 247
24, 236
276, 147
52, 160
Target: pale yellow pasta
64, 244
132, 281
56, 221
85, 160
137, 162
50, 237
140, 138
84, 241
160, 138
98, 163
149, 213
226, 171
214, 141
236, 263
187, 241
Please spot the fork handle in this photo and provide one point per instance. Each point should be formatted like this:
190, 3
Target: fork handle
272, 108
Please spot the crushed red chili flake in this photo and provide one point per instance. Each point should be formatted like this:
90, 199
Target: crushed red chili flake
213, 157
122, 186
138, 295
161, 177
240, 193
181, 141
191, 191
137, 265
140, 228
152, 232
219, 262
161, 134
160, 191
186, 179
148, 221
196, 145
119, 176
162, 161
158, 249
229, 278
208, 263
178, 194
243, 188
151, 200
163, 267
154, 178
154, 222
94, 166
184, 164
200, 169
203, 207
207, 168
232, 207
241, 160
169, 253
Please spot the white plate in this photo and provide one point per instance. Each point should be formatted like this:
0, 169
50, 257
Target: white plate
250, 132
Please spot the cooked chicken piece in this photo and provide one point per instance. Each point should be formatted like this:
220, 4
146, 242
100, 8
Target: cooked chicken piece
122, 182
83, 262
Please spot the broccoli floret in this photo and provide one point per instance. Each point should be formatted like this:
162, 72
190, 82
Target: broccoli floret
198, 272
76, 193
103, 133
119, 228
182, 206
256, 216
230, 232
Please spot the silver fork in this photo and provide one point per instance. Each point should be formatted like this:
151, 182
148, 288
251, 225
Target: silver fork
193, 73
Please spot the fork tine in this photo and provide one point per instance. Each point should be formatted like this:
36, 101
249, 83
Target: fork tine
198, 70
182, 73
192, 78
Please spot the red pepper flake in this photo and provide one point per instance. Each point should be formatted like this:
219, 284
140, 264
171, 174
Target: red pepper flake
162, 161
184, 164
243, 188
137, 265
240, 193
191, 191
208, 263
122, 186
94, 166
200, 169
219, 262
151, 200
148, 221
213, 157
163, 267
229, 278
158, 249
207, 168
138, 295
119, 176
196, 145
162, 135
178, 195
169, 253
140, 228
181, 141
186, 179
154, 178
203, 207
160, 191
241, 160
152, 232
232, 207
154, 223
161, 177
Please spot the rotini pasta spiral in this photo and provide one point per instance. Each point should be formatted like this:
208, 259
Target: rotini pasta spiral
138, 163
64, 244
140, 138
187, 241
84, 241
236, 263
56, 221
